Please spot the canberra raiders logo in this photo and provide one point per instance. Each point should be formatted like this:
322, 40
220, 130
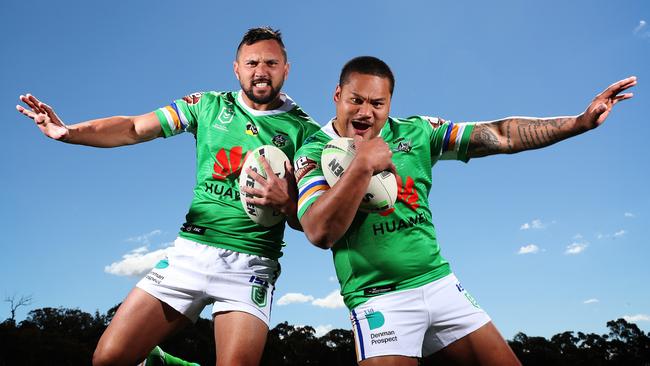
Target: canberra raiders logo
279, 140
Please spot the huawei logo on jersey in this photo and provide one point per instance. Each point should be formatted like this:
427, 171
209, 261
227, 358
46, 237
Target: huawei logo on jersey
406, 193
228, 163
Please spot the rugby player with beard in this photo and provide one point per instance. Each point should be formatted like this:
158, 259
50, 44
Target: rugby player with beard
220, 257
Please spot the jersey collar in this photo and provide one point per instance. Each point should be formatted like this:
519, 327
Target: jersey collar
287, 105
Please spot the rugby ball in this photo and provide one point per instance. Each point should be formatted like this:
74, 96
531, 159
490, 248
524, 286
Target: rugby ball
382, 189
262, 215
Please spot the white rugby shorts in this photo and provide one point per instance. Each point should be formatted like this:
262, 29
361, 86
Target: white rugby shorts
416, 322
194, 275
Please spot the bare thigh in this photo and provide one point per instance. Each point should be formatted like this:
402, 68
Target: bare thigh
141, 322
239, 338
484, 346
389, 361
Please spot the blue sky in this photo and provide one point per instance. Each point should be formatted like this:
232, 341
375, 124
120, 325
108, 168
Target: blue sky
547, 241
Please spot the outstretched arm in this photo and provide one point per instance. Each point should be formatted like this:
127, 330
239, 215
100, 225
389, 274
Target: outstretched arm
104, 132
515, 134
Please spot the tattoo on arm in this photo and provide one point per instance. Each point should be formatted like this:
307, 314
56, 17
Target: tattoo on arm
485, 141
536, 133
516, 134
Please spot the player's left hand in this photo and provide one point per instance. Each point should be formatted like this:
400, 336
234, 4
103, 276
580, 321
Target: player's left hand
279, 193
599, 109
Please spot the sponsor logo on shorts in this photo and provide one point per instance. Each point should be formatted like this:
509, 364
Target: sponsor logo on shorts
469, 297
258, 295
155, 277
162, 264
375, 319
383, 337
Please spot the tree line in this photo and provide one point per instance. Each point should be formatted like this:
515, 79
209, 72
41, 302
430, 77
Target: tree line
60, 336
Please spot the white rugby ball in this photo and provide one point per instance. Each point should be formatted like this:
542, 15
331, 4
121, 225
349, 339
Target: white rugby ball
382, 189
263, 215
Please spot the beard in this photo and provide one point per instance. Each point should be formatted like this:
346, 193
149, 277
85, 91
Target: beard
264, 99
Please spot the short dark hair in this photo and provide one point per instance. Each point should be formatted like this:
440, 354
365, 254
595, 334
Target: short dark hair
254, 35
368, 65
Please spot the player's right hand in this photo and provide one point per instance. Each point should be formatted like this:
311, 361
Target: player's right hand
375, 153
46, 120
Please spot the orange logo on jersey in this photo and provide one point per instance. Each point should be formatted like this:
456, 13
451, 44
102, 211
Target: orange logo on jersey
228, 164
406, 193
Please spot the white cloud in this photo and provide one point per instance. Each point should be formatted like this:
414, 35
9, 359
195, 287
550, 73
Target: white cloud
332, 301
617, 234
528, 249
293, 298
535, 224
629, 214
642, 24
591, 301
333, 279
321, 330
637, 318
136, 263
144, 238
576, 248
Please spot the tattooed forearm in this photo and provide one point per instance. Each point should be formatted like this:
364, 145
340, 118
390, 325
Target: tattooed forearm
515, 134
536, 133
484, 140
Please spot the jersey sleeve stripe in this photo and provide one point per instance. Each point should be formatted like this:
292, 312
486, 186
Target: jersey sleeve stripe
312, 189
308, 200
445, 143
302, 187
180, 114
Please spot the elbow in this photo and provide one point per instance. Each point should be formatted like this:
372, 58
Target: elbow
319, 237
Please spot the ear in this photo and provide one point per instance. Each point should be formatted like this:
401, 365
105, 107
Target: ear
287, 66
235, 69
337, 94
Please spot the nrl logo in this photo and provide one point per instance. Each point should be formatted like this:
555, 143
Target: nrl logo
226, 115
258, 295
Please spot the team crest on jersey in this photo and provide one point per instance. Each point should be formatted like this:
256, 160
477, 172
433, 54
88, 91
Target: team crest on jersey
192, 98
251, 129
404, 146
304, 165
279, 140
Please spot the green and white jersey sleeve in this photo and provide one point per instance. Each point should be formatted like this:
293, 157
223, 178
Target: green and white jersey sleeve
396, 249
226, 129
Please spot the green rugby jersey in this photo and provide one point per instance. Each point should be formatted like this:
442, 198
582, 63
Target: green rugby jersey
396, 249
226, 129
